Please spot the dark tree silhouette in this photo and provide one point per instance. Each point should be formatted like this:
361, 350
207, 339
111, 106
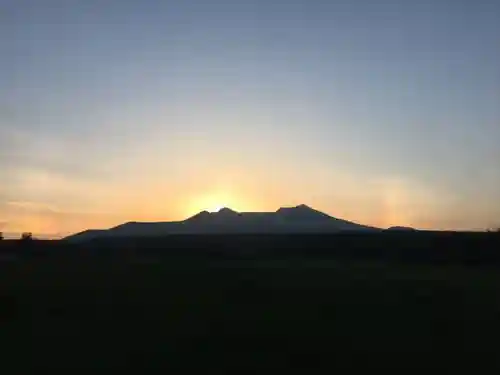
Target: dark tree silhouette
27, 236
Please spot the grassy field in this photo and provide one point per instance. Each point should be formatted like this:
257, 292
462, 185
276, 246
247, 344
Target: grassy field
254, 315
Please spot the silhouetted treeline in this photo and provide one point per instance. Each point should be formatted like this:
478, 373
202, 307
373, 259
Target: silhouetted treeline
419, 247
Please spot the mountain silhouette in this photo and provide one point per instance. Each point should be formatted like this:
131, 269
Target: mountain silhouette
399, 228
286, 220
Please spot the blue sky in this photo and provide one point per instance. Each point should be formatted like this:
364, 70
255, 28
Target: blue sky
386, 113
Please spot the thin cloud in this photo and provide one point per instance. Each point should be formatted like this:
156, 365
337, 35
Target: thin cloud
43, 218
32, 206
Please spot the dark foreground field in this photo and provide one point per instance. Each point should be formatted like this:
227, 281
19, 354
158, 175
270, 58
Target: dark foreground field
76, 308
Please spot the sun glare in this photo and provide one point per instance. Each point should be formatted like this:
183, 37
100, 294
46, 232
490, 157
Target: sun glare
214, 202
216, 208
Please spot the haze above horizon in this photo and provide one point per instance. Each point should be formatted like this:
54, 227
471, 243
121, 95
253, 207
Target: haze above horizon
383, 113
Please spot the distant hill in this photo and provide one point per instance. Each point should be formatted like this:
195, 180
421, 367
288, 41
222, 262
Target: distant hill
286, 220
401, 229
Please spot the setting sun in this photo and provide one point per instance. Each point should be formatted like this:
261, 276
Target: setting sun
216, 208
212, 202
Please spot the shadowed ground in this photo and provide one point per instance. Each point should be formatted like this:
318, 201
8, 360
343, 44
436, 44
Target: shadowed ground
266, 315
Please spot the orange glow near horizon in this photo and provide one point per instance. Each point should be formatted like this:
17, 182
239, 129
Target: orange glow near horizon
386, 202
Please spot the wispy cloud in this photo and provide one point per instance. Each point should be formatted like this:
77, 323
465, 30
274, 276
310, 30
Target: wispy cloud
32, 206
41, 217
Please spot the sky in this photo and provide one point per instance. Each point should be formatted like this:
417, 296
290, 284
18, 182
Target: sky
380, 112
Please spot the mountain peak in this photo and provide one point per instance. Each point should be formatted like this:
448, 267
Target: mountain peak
200, 215
298, 207
304, 207
301, 212
225, 210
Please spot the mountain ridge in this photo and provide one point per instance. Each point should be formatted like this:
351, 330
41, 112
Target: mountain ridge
285, 220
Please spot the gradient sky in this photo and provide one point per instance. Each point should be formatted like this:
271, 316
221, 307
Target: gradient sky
382, 112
